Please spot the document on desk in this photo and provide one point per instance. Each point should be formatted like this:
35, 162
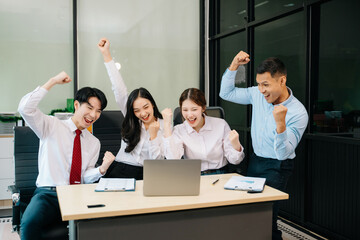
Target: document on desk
245, 183
115, 185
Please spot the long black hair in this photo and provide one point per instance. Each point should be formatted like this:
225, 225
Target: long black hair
131, 127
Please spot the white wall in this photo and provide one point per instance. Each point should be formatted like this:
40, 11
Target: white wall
156, 41
35, 44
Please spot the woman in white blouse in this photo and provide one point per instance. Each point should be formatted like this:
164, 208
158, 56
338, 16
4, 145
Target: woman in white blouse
142, 127
200, 136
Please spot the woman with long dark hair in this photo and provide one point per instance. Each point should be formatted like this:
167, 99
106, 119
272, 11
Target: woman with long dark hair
142, 126
200, 136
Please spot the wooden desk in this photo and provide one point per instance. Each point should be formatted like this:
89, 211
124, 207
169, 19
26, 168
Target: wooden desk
215, 214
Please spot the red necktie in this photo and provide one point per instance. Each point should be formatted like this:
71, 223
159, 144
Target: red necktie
75, 172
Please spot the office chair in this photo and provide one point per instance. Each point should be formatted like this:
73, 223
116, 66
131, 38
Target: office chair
108, 130
212, 111
26, 147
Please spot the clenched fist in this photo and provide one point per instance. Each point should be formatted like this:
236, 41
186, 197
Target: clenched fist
234, 140
61, 78
167, 115
240, 59
153, 129
279, 114
107, 161
104, 47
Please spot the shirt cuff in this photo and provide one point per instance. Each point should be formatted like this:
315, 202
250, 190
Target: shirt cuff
230, 74
42, 90
101, 175
110, 66
155, 141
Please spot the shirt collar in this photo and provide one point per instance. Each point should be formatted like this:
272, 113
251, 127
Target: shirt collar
71, 125
288, 100
206, 127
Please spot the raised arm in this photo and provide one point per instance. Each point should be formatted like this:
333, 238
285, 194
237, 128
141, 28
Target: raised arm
241, 58
289, 134
233, 150
117, 83
228, 91
28, 106
173, 146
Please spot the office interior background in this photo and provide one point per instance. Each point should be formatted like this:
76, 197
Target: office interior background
168, 46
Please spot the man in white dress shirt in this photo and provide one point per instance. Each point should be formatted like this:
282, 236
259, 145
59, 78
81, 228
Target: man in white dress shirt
56, 151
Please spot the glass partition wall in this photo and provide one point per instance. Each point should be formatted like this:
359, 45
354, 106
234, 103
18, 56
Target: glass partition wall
319, 42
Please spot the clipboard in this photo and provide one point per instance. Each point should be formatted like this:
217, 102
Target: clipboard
252, 184
115, 185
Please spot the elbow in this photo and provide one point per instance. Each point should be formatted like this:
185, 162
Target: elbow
20, 110
23, 110
241, 158
221, 94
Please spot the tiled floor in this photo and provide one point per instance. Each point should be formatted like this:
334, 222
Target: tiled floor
291, 233
5, 230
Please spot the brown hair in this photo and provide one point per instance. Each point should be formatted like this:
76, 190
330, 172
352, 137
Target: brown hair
195, 95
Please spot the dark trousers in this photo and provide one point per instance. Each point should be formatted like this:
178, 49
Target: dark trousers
222, 170
277, 174
122, 170
42, 211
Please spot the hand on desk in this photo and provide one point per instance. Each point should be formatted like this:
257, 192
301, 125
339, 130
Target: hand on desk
107, 161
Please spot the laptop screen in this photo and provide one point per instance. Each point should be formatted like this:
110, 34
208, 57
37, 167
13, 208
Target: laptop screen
172, 177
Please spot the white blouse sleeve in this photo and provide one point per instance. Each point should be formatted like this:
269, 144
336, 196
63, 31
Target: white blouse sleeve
173, 145
232, 155
117, 85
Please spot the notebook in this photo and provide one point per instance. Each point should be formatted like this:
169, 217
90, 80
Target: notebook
245, 183
178, 177
115, 184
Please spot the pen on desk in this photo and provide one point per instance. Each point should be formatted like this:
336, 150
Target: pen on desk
215, 181
96, 205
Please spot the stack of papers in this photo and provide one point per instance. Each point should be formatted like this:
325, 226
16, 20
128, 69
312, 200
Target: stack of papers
115, 184
245, 183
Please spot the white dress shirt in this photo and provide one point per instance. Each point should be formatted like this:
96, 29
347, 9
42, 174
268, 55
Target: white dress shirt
56, 144
211, 144
145, 149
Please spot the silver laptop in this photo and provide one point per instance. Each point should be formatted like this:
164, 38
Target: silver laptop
169, 177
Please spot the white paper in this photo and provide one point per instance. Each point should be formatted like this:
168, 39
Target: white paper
115, 184
245, 183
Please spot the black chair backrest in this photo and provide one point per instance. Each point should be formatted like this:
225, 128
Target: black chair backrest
212, 111
26, 148
108, 130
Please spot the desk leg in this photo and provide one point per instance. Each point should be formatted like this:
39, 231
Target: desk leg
72, 230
